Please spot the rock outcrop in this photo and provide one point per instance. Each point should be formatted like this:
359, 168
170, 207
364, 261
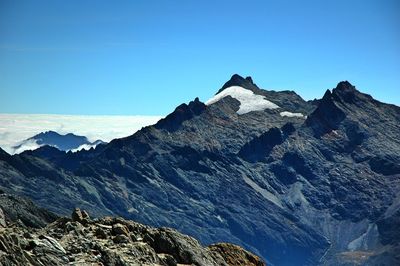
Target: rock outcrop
80, 240
14, 208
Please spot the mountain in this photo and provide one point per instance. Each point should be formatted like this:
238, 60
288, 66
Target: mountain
62, 142
297, 182
15, 209
28, 238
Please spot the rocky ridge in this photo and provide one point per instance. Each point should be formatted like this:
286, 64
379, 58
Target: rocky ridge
80, 240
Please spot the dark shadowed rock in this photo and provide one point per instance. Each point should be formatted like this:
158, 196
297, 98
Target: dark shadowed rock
120, 229
76, 215
182, 113
326, 117
237, 80
259, 147
15, 208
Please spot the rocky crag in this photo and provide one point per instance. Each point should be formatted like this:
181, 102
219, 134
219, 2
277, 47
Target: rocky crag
297, 182
80, 240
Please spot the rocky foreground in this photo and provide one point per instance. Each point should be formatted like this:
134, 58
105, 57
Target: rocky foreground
80, 240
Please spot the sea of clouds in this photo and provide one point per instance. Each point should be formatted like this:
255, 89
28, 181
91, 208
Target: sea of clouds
15, 128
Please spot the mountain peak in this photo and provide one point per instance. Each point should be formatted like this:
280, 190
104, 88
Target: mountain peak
237, 80
65, 142
182, 113
345, 85
236, 77
249, 79
327, 116
345, 92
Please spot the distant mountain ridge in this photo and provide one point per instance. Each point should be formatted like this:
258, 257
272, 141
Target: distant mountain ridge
65, 142
317, 189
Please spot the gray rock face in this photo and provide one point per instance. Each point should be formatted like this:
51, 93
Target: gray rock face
18, 209
2, 219
69, 242
319, 189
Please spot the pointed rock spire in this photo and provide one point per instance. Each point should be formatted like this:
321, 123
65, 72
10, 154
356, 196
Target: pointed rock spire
183, 112
327, 116
345, 91
237, 80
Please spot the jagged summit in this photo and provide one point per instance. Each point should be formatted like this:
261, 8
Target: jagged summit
345, 85
237, 80
327, 116
287, 100
347, 93
182, 113
45, 151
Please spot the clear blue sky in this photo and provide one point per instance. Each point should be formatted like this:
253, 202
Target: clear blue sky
146, 57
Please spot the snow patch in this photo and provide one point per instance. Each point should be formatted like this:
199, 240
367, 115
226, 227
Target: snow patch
248, 100
290, 114
219, 218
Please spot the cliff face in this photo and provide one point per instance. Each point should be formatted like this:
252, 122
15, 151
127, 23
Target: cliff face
303, 184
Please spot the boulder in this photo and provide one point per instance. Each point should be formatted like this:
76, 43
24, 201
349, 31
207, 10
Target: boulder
235, 255
120, 229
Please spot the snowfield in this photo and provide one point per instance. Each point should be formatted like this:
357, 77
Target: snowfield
248, 100
290, 114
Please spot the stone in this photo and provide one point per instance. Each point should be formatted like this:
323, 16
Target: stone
100, 233
2, 219
120, 229
93, 246
121, 239
77, 215
235, 255
85, 215
46, 244
167, 259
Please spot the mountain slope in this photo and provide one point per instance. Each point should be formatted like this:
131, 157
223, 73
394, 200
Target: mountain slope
322, 188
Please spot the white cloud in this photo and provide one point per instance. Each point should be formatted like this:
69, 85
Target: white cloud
15, 128
26, 145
